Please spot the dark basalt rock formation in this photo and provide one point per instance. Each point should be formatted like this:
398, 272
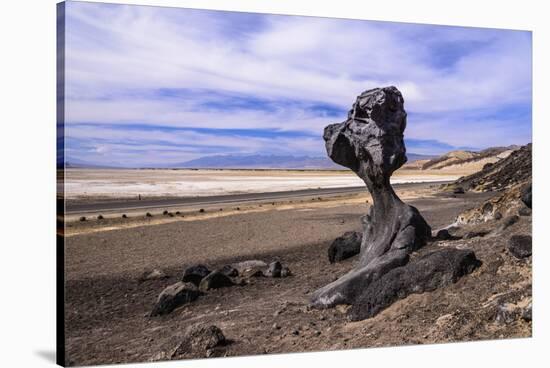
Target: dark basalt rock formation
426, 273
174, 296
370, 143
345, 246
195, 274
520, 246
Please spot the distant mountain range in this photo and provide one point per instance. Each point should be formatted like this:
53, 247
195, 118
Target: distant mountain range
244, 162
271, 162
81, 164
450, 160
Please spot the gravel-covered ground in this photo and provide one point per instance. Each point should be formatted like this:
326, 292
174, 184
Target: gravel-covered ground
107, 309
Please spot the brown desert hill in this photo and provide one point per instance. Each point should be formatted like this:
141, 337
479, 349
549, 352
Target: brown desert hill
511, 177
460, 159
512, 170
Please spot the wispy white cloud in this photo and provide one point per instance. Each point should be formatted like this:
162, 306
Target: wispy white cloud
114, 53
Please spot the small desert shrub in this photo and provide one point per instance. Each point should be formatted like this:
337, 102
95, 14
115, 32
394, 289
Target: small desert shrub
148, 214
165, 212
100, 217
124, 215
178, 212
201, 210
83, 218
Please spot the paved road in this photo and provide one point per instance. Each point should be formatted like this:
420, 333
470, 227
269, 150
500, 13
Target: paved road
125, 205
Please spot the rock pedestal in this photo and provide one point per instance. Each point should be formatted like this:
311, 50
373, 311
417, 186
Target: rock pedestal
370, 143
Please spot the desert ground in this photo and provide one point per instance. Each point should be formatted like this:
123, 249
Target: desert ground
108, 304
86, 184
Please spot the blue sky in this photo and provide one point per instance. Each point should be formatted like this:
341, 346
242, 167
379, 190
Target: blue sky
153, 86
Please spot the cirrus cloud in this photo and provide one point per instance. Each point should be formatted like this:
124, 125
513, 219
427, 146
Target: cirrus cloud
153, 72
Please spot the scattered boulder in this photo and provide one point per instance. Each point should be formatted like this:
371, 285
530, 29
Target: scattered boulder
527, 196
215, 280
520, 246
173, 297
443, 234
154, 274
527, 314
274, 269
345, 246
487, 166
285, 272
195, 274
425, 273
249, 268
200, 341
229, 271
458, 190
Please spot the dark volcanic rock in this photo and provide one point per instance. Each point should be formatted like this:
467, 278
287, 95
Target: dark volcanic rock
345, 246
215, 280
426, 273
274, 269
229, 271
174, 296
370, 143
443, 234
195, 274
520, 246
458, 190
527, 196
199, 341
527, 313
285, 272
